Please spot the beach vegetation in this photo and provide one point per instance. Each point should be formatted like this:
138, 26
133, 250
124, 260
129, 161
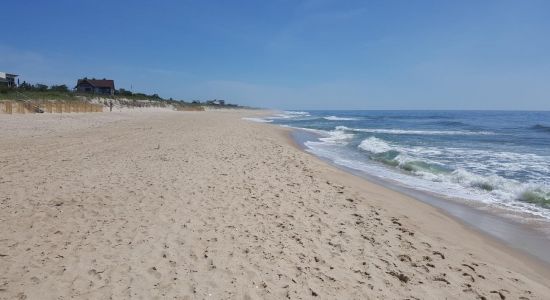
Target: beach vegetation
59, 88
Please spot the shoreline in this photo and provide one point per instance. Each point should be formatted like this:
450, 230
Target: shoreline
197, 205
517, 236
538, 259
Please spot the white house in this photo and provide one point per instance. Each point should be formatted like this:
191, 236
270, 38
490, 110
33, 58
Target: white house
7, 79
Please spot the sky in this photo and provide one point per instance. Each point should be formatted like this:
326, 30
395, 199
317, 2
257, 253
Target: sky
292, 54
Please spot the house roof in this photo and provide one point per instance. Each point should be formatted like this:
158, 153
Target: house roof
98, 83
5, 75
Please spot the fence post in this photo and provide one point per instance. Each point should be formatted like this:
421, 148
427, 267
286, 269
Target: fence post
20, 108
8, 107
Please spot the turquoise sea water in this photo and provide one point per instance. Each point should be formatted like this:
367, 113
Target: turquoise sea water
499, 158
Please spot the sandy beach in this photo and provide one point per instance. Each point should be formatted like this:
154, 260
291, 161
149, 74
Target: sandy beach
206, 205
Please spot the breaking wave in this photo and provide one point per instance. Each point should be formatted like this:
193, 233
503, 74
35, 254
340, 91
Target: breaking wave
540, 127
375, 145
493, 186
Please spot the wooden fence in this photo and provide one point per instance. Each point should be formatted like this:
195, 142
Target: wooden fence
23, 107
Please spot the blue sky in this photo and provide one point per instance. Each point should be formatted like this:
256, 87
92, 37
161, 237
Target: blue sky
291, 54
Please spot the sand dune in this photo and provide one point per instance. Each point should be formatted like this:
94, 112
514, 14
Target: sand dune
182, 205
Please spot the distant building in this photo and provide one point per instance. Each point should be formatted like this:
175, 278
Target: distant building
7, 79
96, 86
216, 102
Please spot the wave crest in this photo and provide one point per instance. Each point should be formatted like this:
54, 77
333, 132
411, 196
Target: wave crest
541, 127
375, 145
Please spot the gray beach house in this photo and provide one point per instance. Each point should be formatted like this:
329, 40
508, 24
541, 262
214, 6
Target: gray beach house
96, 86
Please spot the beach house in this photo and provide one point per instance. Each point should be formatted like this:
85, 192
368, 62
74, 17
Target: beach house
96, 86
215, 102
7, 79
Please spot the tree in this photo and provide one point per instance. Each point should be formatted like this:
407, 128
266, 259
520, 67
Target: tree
25, 86
124, 92
59, 88
40, 87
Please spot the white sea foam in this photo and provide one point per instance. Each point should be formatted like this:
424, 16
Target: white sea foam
328, 137
316, 131
462, 184
259, 120
301, 113
415, 168
337, 137
375, 145
532, 166
335, 118
415, 132
289, 115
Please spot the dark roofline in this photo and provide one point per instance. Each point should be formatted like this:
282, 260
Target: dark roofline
98, 83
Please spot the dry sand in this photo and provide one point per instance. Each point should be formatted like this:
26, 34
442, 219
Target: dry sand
174, 205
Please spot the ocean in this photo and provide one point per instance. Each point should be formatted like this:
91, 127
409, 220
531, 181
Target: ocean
496, 159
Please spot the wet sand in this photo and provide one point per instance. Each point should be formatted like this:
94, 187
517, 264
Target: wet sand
187, 205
